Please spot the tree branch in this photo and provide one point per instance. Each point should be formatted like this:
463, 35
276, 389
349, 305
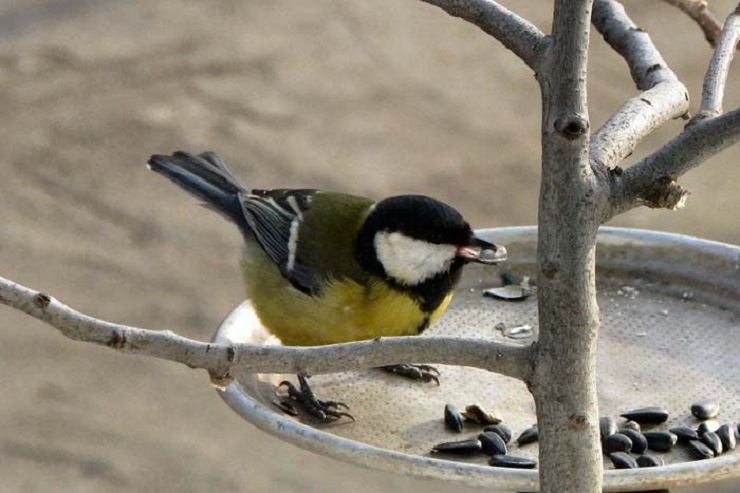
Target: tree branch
699, 11
714, 81
652, 181
224, 360
515, 33
564, 381
664, 97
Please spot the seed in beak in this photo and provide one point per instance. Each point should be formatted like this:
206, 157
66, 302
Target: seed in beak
490, 255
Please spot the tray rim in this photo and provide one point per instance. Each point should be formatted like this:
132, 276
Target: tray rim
681, 474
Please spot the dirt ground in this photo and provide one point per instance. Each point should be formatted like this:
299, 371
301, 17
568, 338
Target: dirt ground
374, 98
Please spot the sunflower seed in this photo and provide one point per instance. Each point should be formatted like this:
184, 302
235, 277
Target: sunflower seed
461, 447
727, 435
684, 433
622, 460
705, 409
650, 461
453, 418
530, 435
699, 450
607, 426
501, 430
705, 426
616, 443
492, 443
513, 462
662, 441
639, 442
647, 415
712, 440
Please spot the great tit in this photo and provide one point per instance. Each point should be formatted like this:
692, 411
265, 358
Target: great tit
325, 267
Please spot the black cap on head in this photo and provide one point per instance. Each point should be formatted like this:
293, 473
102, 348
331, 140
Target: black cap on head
415, 216
419, 217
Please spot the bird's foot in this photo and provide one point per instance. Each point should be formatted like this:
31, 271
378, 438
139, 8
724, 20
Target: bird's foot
425, 373
326, 411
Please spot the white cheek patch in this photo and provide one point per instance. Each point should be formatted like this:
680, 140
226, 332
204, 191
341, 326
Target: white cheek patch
410, 261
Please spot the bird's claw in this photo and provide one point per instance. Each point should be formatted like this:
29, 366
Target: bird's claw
425, 373
324, 410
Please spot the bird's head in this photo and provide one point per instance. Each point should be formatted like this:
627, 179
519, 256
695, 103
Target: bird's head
413, 239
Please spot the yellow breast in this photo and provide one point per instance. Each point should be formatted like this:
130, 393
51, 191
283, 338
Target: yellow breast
345, 311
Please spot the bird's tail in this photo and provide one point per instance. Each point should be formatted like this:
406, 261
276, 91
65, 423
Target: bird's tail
207, 177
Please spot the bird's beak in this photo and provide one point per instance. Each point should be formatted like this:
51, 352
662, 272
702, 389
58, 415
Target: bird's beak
482, 252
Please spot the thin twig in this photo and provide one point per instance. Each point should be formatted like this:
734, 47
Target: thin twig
664, 97
652, 181
222, 360
716, 77
699, 11
515, 33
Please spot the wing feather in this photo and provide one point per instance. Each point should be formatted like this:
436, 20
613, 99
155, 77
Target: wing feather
275, 217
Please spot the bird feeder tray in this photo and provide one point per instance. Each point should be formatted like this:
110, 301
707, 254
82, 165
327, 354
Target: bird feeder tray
670, 331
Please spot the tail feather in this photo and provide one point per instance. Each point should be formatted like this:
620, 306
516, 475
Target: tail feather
207, 177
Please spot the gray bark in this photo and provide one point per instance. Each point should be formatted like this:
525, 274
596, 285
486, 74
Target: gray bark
564, 383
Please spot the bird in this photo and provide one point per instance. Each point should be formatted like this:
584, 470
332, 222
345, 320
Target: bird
324, 267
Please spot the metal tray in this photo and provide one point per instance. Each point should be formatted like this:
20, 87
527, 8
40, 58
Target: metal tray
670, 309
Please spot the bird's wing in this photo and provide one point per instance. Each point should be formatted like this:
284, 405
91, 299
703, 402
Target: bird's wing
275, 216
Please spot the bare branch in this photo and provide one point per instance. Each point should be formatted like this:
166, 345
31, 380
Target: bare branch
652, 181
515, 33
699, 11
223, 360
647, 66
664, 97
716, 77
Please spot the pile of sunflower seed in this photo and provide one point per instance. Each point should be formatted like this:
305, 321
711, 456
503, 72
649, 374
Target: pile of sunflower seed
620, 443
709, 439
492, 441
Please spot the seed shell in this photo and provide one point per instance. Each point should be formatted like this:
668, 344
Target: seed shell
510, 292
477, 414
632, 425
519, 332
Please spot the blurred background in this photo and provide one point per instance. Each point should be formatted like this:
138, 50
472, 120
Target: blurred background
374, 98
